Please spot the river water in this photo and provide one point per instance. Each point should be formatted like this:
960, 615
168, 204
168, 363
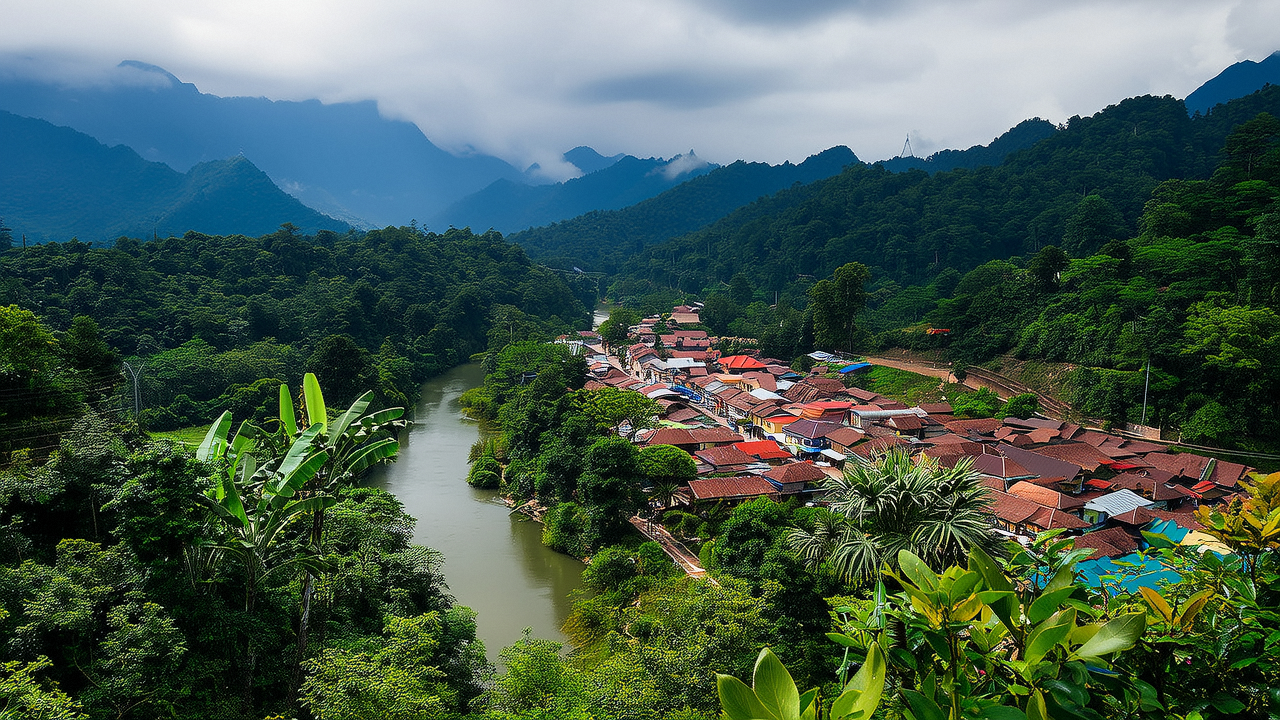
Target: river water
495, 562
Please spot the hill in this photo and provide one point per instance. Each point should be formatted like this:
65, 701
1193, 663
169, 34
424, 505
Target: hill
1023, 135
1078, 188
1236, 81
509, 206
345, 159
56, 183
603, 240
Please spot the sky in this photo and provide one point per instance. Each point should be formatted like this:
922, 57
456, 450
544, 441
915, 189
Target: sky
761, 80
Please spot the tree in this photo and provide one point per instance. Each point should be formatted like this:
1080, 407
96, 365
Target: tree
891, 503
1094, 222
1021, 406
980, 404
836, 304
1047, 265
614, 330
6, 236
615, 409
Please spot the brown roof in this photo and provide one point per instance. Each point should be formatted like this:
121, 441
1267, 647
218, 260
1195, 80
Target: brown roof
1042, 435
1227, 474
1083, 454
1186, 465
936, 408
1136, 517
1041, 465
1045, 496
1034, 423
999, 466
846, 436
861, 395
1093, 437
683, 415
1153, 482
714, 435
1010, 508
981, 426
1142, 446
1185, 519
877, 445
670, 436
906, 422
724, 456
1110, 542
811, 429
956, 450
796, 472
1053, 518
813, 388
734, 487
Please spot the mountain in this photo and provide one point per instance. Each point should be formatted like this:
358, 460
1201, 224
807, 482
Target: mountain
343, 158
602, 240
588, 160
1236, 81
1078, 189
509, 206
1023, 135
56, 183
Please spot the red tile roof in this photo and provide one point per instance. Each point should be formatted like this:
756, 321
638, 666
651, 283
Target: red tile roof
734, 487
763, 449
740, 362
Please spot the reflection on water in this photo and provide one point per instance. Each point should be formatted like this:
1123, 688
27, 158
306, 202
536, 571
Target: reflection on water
495, 563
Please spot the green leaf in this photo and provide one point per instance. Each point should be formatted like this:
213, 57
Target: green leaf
861, 695
808, 709
356, 410
924, 708
1118, 634
992, 574
915, 569
1035, 707
287, 420
903, 658
1002, 712
372, 454
216, 439
299, 451
1225, 703
1064, 578
775, 688
1157, 603
1048, 634
738, 701
317, 416
287, 485
844, 640
1048, 604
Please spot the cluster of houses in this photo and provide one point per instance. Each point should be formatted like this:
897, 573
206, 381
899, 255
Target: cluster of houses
756, 427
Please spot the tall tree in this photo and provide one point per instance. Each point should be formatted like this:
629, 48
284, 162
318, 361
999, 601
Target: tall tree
836, 304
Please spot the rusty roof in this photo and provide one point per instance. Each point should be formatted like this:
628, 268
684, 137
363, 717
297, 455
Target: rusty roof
1045, 496
724, 456
1085, 455
1053, 518
796, 472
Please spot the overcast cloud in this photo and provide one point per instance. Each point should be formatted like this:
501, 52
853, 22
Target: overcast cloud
751, 79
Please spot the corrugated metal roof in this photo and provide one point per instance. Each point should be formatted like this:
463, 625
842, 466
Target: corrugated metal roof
1118, 502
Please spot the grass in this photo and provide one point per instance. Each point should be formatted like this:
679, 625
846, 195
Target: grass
191, 436
908, 387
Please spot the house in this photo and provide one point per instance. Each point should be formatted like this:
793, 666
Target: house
1099, 509
814, 388
1110, 542
724, 459
1085, 455
738, 364
844, 438
791, 478
1047, 497
732, 488
1041, 465
1001, 468
808, 435
766, 451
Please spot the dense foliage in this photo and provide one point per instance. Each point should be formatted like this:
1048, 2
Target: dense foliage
205, 318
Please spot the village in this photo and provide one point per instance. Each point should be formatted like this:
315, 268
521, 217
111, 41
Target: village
757, 427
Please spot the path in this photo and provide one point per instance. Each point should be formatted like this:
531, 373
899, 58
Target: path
920, 368
686, 560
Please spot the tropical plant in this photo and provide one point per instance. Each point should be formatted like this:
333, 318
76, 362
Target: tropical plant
773, 694
882, 506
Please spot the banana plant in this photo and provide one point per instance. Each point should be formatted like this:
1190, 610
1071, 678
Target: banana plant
773, 694
255, 502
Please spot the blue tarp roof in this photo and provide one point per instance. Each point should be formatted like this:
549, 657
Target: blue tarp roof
855, 367
1145, 573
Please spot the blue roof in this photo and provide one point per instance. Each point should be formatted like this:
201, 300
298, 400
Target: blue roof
1144, 573
855, 367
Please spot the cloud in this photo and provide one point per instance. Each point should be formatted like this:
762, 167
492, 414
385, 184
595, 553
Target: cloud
746, 79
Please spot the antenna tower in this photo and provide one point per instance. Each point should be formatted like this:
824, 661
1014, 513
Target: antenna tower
906, 148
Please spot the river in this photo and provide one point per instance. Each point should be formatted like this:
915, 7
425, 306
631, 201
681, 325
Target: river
495, 563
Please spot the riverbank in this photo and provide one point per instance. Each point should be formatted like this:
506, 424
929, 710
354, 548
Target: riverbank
493, 561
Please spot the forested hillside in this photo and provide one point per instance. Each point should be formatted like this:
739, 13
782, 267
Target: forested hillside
215, 323
602, 240
56, 184
1023, 135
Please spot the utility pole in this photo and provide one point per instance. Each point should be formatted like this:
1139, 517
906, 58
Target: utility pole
136, 374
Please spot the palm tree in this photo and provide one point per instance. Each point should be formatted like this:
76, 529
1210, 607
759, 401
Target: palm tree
896, 502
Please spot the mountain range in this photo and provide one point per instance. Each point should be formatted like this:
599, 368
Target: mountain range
56, 184
1236, 81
